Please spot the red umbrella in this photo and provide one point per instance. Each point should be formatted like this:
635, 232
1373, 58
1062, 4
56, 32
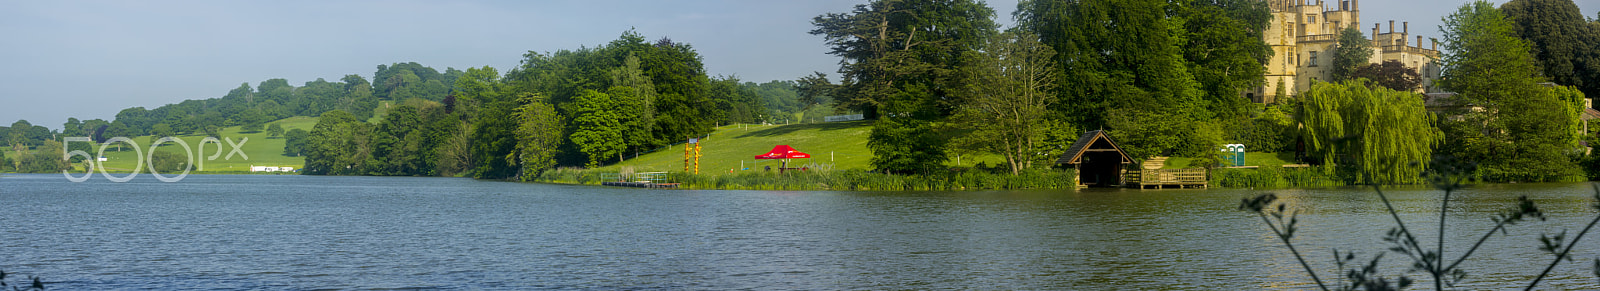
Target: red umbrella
785, 153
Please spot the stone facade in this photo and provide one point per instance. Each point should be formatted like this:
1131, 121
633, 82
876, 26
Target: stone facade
1304, 33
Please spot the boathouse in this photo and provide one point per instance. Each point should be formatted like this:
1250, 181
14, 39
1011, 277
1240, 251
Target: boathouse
1098, 160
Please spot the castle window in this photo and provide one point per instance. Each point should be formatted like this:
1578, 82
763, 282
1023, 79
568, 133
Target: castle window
1313, 61
1312, 18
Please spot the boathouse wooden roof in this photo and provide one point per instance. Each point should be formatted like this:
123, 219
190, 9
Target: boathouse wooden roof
1093, 141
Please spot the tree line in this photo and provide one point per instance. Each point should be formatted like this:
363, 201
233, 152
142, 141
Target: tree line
941, 78
1165, 77
584, 107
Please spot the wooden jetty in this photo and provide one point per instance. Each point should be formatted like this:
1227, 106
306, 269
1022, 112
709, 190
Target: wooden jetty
654, 180
1162, 178
640, 184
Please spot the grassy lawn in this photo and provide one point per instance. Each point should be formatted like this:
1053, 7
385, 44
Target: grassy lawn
1264, 160
262, 150
841, 145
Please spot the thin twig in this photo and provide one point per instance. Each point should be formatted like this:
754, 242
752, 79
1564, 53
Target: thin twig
1474, 248
1563, 253
1292, 250
1444, 206
1407, 231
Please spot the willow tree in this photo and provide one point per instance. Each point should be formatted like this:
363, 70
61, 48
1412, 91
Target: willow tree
1381, 136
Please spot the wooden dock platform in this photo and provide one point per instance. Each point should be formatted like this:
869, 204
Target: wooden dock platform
1162, 178
640, 184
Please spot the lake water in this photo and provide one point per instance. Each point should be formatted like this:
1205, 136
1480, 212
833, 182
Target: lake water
307, 232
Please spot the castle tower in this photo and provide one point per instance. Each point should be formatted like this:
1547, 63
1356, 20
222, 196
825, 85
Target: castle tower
1303, 35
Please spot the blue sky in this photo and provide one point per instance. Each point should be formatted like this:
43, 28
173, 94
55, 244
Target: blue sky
90, 59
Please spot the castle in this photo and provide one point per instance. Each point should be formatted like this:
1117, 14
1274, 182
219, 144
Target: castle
1304, 33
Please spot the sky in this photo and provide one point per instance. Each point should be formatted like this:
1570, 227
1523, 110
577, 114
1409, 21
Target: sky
91, 59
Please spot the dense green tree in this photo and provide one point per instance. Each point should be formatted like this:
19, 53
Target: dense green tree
889, 44
168, 163
640, 104
1378, 135
401, 81
815, 89
18, 135
275, 130
73, 127
272, 89
1224, 49
294, 142
902, 64
1353, 52
118, 129
1122, 69
681, 104
678, 107
453, 150
906, 145
598, 127
136, 120
734, 102
326, 149
779, 97
494, 139
251, 127
475, 87
1273, 130
358, 99
1561, 40
539, 136
162, 130
1521, 133
46, 158
1009, 97
1390, 74
399, 144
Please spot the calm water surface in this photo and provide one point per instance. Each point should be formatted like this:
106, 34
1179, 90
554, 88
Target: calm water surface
302, 232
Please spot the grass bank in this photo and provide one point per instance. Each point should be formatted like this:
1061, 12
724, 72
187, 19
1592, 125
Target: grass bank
1274, 177
732, 149
840, 180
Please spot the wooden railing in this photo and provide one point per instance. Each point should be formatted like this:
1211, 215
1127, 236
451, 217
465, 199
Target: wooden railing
647, 177
1167, 177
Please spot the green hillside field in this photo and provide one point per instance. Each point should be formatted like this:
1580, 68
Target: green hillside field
260, 149
732, 149
729, 149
